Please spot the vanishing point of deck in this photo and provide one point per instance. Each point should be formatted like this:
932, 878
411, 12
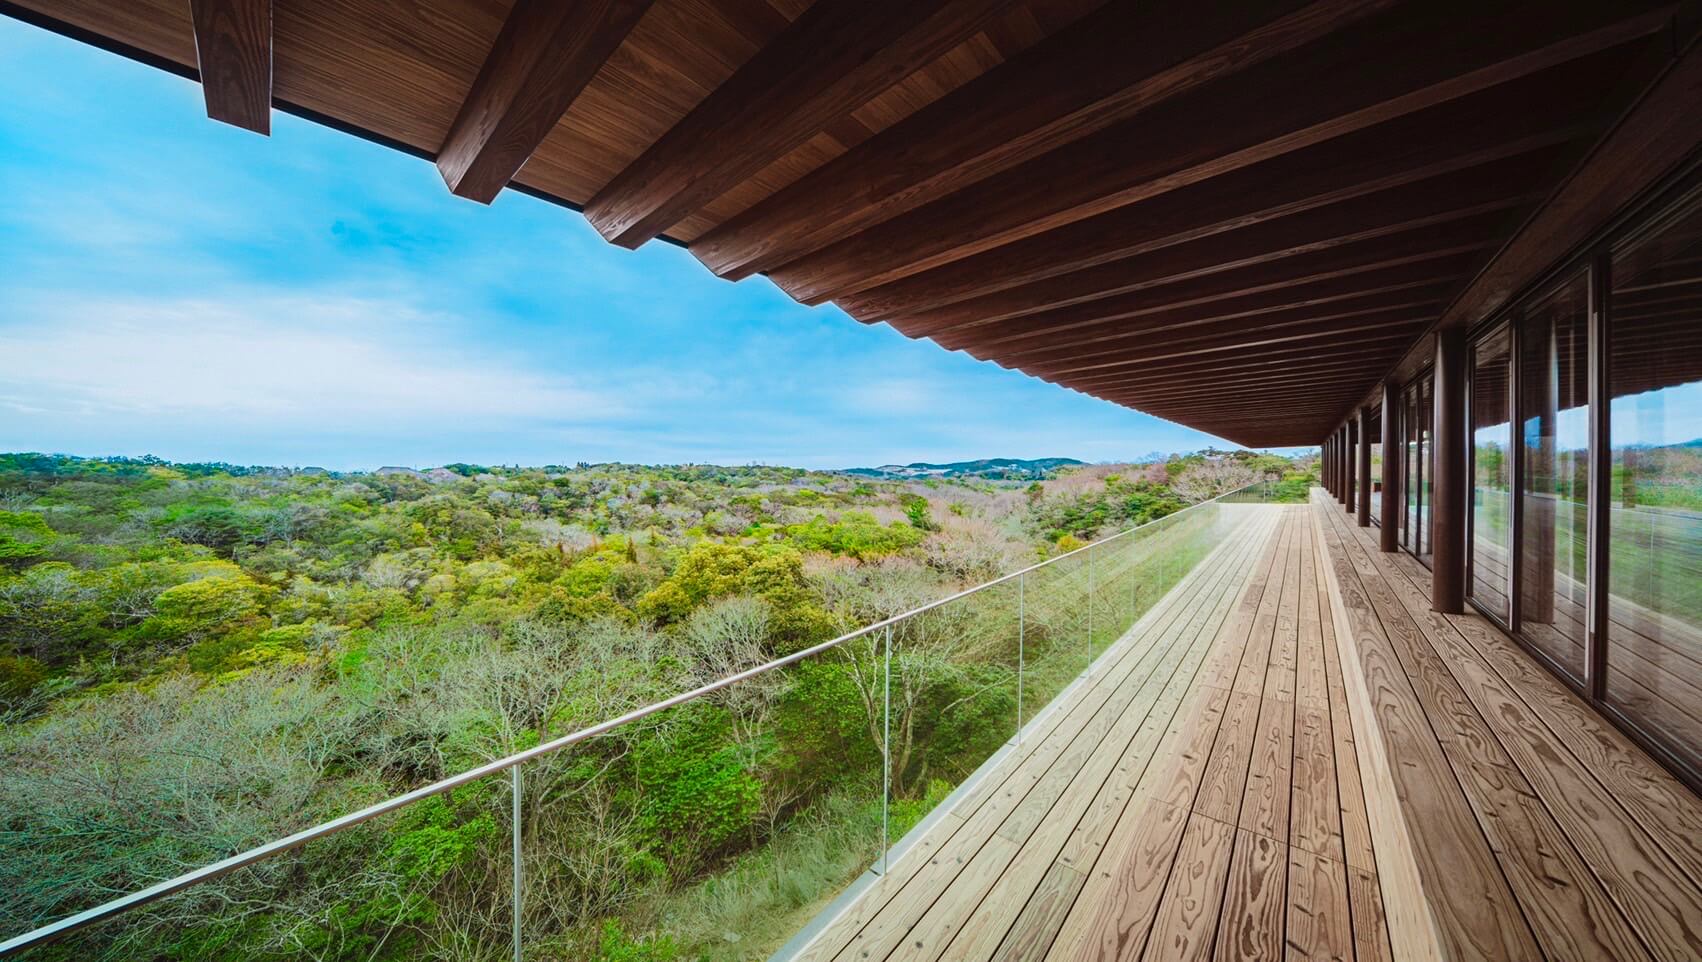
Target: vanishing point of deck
1211, 792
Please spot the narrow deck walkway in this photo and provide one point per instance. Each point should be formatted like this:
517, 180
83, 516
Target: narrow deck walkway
1212, 794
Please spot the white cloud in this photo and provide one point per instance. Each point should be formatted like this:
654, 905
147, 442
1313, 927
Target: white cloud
912, 396
320, 363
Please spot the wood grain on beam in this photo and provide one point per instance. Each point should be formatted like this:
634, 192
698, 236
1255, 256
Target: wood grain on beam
834, 58
1471, 195
1388, 326
1084, 322
233, 48
1532, 114
1655, 135
1139, 341
1104, 68
546, 54
1276, 107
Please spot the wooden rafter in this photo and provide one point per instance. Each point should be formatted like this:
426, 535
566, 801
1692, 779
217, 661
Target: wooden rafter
546, 54
1276, 107
831, 60
233, 51
1105, 68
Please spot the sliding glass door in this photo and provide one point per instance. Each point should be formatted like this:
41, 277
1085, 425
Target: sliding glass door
1554, 490
1586, 465
1654, 560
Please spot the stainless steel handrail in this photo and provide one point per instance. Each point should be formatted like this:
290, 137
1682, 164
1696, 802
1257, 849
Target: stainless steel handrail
207, 873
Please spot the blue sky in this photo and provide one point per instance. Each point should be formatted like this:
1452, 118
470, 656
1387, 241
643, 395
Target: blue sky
179, 287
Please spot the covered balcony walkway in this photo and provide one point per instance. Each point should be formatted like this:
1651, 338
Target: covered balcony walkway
1292, 757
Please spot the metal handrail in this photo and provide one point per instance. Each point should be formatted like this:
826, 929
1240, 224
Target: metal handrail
207, 873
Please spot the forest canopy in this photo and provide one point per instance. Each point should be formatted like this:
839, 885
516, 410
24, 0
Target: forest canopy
197, 658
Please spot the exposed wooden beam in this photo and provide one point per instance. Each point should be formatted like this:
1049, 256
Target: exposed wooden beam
1535, 113
1386, 328
1469, 195
1106, 67
1660, 131
831, 60
1294, 362
1139, 343
1282, 105
547, 52
233, 49
1155, 310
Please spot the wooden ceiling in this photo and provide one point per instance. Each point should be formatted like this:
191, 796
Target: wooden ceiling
1237, 216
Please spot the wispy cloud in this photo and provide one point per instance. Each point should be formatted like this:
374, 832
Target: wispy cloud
309, 363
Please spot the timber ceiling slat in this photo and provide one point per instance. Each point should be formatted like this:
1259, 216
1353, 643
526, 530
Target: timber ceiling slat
1240, 217
1398, 211
1272, 108
1532, 114
1105, 68
546, 54
1145, 343
1079, 326
233, 51
831, 60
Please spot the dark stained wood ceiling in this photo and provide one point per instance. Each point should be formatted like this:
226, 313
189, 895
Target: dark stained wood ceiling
1238, 215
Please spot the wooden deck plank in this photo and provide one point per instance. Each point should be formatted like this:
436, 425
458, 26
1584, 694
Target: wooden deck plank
1315, 822
1569, 913
1251, 926
1186, 924
1663, 807
1355, 819
1319, 927
1365, 903
1584, 829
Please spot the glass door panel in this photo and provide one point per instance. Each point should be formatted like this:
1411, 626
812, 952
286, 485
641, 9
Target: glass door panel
1426, 405
1654, 569
1554, 488
1492, 475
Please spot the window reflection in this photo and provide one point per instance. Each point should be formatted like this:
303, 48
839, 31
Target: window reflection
1554, 406
1654, 577
1492, 474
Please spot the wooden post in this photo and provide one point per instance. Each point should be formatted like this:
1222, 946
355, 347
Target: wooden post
1388, 539
1363, 453
1324, 464
1350, 466
1343, 482
1448, 487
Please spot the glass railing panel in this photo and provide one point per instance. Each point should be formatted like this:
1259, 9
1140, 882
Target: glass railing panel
1055, 642
428, 881
716, 829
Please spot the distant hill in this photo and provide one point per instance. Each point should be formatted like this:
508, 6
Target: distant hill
1017, 469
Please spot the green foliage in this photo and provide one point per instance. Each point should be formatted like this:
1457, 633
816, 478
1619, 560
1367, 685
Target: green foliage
614, 945
24, 536
857, 534
198, 658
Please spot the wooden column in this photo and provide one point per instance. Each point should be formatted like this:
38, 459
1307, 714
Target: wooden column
1448, 487
1350, 466
1388, 539
1343, 482
1363, 455
1324, 463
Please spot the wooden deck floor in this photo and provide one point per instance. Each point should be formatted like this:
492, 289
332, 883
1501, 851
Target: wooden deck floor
1291, 757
